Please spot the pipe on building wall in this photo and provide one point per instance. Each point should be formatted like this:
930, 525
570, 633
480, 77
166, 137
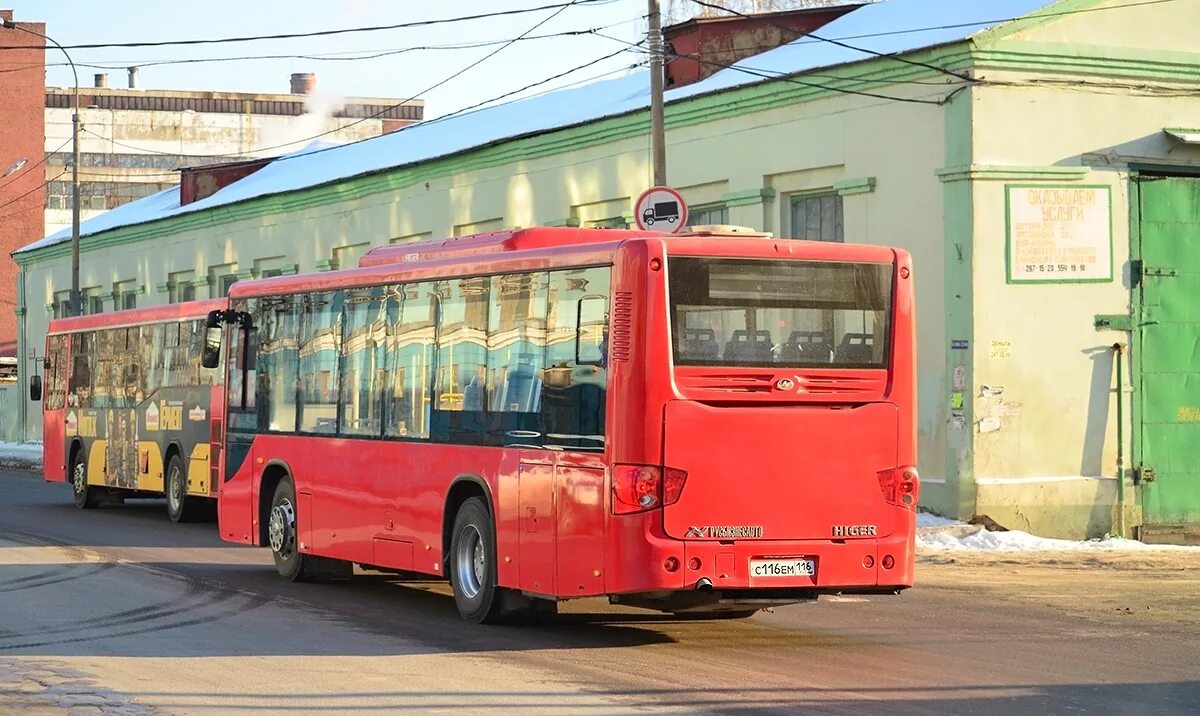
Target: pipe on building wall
23, 363
1118, 350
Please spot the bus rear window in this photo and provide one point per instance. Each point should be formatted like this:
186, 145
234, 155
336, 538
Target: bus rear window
752, 312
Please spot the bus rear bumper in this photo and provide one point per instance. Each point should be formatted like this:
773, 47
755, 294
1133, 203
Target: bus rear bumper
744, 574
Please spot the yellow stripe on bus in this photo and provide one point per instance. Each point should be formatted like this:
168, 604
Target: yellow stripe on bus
197, 470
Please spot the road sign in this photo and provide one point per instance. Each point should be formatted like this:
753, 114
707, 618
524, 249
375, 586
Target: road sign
660, 208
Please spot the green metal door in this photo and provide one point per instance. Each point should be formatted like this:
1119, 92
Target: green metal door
1168, 342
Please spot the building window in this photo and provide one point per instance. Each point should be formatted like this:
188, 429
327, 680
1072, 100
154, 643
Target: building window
817, 217
92, 301
708, 215
99, 195
125, 295
271, 266
180, 287
221, 279
62, 304
345, 257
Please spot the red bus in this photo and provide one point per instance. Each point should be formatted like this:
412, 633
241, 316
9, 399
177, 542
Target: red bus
713, 422
129, 410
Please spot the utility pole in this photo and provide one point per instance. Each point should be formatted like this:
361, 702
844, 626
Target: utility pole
657, 129
76, 299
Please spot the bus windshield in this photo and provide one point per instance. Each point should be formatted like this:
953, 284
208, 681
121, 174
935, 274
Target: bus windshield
752, 312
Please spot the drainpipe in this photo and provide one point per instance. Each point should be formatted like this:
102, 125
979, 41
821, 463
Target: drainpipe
1119, 358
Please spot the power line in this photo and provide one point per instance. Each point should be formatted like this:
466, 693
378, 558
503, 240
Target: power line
29, 167
427, 90
325, 33
464, 110
43, 185
783, 77
839, 43
766, 74
854, 78
344, 56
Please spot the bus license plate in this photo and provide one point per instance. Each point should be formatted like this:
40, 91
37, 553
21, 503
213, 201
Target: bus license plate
782, 568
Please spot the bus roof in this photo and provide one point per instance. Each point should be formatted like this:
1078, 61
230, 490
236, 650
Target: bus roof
546, 248
541, 237
136, 316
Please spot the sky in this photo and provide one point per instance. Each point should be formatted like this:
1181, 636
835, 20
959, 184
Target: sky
395, 76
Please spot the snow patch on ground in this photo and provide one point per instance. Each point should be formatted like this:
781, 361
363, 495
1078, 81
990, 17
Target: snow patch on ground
21, 456
936, 533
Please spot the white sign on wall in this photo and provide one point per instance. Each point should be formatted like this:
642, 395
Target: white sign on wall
1059, 233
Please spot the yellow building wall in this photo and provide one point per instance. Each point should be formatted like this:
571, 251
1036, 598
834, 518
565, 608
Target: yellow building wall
881, 155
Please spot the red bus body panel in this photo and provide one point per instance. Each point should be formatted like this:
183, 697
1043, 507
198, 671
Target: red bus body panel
797, 465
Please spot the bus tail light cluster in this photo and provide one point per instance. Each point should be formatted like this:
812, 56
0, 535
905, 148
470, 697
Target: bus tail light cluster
901, 486
637, 488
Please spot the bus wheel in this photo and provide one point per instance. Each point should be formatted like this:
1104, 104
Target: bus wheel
180, 507
86, 496
281, 531
472, 564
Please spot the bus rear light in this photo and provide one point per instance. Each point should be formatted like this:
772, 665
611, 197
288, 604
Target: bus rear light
901, 486
673, 485
671, 564
868, 562
637, 488
887, 562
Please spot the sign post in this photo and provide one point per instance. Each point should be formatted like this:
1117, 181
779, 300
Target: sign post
660, 208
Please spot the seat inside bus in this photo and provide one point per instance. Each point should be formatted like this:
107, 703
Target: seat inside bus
749, 347
698, 344
806, 347
856, 348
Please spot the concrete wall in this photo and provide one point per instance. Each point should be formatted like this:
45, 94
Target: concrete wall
1043, 396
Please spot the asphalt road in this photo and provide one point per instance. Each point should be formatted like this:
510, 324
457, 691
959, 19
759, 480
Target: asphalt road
120, 611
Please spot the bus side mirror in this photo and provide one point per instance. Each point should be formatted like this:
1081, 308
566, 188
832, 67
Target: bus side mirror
35, 388
211, 354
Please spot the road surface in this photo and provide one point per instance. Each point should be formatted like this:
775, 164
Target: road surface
119, 611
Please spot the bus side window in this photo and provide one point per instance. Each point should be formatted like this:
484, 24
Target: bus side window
80, 384
574, 392
243, 346
56, 375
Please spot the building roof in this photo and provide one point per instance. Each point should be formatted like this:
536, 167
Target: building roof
890, 27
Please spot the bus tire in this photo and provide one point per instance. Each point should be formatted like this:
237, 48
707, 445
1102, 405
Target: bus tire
86, 496
282, 534
472, 563
180, 507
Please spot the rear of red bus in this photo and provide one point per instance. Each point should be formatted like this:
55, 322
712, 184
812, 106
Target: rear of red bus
776, 459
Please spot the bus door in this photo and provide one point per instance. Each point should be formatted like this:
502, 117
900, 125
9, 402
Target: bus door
54, 438
233, 443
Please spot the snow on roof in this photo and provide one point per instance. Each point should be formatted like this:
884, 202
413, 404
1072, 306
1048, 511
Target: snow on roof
892, 26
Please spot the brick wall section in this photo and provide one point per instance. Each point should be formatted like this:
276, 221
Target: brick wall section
22, 136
